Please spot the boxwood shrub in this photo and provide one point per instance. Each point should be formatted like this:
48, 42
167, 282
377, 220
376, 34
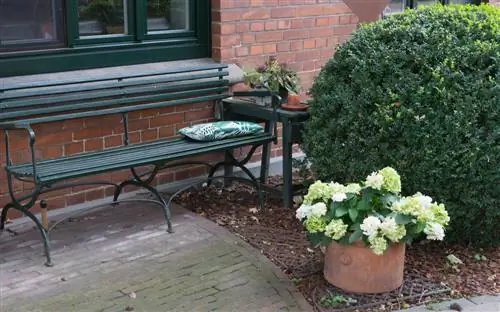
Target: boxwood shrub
418, 91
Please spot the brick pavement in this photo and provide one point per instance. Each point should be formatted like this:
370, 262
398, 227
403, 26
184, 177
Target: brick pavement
121, 259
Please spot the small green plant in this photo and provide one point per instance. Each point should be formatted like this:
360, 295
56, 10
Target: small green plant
108, 12
479, 257
332, 300
297, 280
158, 8
274, 76
453, 262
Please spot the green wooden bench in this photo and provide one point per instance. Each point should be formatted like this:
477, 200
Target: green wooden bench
21, 107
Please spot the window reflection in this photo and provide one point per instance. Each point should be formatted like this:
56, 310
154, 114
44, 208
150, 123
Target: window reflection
165, 15
396, 6
28, 21
101, 17
426, 2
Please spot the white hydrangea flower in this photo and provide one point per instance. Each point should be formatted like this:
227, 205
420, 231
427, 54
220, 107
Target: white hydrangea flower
370, 226
318, 209
434, 231
338, 197
303, 212
425, 201
375, 181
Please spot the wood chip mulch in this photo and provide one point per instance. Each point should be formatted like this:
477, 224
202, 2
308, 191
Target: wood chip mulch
280, 237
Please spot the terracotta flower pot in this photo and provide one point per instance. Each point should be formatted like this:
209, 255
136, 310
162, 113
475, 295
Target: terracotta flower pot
355, 268
293, 100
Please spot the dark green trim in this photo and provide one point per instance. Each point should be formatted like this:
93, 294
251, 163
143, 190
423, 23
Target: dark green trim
102, 56
71, 28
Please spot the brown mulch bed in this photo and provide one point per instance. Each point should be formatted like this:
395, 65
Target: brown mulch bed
280, 237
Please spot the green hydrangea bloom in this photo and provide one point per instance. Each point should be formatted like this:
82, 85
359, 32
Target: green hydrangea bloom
336, 229
318, 190
440, 215
322, 191
353, 188
392, 231
315, 224
392, 180
378, 244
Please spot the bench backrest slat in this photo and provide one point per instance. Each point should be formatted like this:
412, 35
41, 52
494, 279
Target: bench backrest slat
127, 109
53, 101
111, 77
114, 87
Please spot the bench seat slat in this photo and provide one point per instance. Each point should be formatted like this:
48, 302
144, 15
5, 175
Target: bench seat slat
130, 156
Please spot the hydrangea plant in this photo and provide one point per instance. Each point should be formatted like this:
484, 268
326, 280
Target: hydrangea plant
372, 211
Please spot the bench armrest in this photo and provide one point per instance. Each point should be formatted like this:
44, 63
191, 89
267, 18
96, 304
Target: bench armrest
8, 126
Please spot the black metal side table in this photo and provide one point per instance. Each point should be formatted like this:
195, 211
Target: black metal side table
292, 121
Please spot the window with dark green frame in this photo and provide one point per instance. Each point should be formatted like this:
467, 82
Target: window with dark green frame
55, 35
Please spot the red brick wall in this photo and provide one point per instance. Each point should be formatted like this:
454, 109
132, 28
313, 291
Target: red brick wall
302, 33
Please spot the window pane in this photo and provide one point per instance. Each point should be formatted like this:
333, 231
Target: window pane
396, 6
28, 21
164, 15
102, 17
427, 2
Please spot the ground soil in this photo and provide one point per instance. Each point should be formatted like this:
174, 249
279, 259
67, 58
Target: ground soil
276, 232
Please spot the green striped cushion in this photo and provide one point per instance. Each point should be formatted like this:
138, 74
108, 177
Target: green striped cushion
219, 130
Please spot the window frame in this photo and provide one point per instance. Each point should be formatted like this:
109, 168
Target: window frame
75, 53
40, 44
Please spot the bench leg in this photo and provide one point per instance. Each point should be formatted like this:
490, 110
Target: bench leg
41, 228
231, 161
45, 237
3, 218
161, 201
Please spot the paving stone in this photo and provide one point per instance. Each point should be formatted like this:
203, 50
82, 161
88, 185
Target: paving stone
98, 261
445, 305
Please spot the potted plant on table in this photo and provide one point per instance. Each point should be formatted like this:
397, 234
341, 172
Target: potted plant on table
365, 226
276, 77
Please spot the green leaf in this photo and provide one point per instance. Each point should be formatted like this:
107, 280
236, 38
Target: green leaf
363, 205
355, 236
355, 227
344, 240
353, 214
340, 211
316, 239
330, 213
388, 200
403, 219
